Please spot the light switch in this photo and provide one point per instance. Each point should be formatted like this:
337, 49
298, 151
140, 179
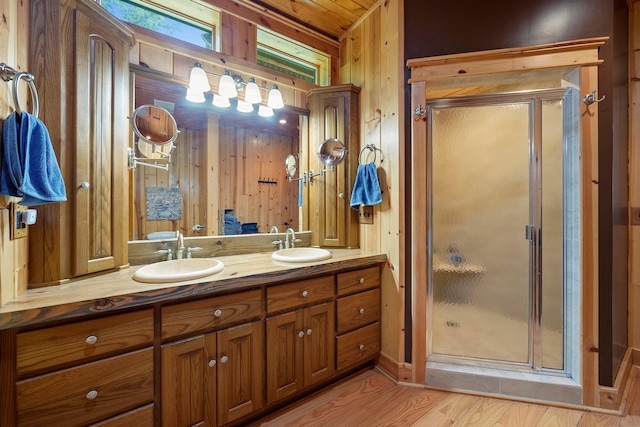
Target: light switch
18, 228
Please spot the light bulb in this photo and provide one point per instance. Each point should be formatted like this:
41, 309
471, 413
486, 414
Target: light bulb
252, 92
227, 87
244, 106
194, 95
220, 101
275, 98
198, 79
265, 111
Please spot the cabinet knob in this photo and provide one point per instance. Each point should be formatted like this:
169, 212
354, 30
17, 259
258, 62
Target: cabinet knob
91, 339
360, 347
361, 310
224, 359
301, 334
308, 331
92, 395
212, 363
304, 293
85, 185
362, 280
341, 195
217, 313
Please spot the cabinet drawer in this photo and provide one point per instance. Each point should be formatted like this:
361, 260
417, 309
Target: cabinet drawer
49, 347
139, 417
358, 310
358, 280
358, 346
87, 393
291, 295
191, 317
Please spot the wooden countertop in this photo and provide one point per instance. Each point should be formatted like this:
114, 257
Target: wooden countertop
117, 291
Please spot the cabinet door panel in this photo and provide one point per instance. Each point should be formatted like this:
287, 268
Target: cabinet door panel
189, 382
284, 355
240, 371
319, 347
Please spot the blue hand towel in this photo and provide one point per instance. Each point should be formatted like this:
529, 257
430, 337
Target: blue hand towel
300, 194
40, 181
366, 189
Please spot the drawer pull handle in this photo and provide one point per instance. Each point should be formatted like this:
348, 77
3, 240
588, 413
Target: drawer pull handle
212, 363
224, 359
91, 339
362, 280
304, 293
92, 395
301, 334
361, 347
361, 310
308, 331
217, 313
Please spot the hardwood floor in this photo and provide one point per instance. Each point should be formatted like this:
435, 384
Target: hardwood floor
371, 399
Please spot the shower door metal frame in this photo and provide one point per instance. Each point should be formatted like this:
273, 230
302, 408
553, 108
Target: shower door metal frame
535, 99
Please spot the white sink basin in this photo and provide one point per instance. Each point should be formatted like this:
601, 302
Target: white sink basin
178, 270
301, 255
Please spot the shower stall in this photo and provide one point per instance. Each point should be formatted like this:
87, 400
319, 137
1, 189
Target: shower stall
503, 242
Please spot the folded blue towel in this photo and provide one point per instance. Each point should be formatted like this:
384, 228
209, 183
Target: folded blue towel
366, 189
300, 194
29, 168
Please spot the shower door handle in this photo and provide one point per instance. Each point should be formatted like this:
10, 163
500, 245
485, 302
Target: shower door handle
529, 231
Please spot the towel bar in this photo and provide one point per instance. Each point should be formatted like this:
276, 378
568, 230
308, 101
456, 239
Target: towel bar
8, 73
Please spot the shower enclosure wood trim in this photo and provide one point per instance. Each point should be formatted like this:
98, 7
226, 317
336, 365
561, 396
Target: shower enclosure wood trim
503, 63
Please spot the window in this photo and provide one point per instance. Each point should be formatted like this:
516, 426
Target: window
157, 16
289, 57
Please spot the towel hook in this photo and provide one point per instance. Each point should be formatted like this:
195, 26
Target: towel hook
591, 98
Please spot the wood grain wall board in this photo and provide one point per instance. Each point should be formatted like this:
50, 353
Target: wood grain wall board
239, 38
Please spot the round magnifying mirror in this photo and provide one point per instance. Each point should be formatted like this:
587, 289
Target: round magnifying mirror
291, 165
154, 125
331, 151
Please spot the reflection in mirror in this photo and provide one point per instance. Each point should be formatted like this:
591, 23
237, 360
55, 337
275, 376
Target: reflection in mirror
227, 165
331, 151
290, 166
154, 125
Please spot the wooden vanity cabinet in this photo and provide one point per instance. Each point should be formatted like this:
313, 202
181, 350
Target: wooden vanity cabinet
215, 378
86, 372
80, 56
358, 317
334, 114
300, 351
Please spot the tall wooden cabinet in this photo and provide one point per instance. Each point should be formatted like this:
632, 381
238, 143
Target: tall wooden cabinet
80, 58
334, 114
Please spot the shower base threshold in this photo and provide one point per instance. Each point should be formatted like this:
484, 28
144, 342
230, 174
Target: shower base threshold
504, 382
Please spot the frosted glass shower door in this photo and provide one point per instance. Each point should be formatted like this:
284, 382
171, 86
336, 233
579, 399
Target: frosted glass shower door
481, 202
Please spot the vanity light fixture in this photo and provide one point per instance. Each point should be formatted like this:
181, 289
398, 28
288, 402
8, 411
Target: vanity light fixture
265, 111
275, 98
228, 87
195, 95
198, 80
220, 101
244, 106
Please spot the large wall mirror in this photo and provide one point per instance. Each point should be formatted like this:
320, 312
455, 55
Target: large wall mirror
226, 173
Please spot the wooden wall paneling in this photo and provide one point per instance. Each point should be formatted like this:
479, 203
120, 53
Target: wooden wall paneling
239, 37
211, 176
634, 175
589, 246
14, 45
156, 58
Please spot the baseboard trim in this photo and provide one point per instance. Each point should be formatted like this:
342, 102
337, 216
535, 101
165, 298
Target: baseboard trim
613, 397
400, 372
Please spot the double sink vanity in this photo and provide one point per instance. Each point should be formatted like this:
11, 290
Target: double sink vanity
257, 333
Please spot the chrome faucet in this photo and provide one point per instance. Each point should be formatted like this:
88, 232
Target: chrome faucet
274, 229
290, 239
179, 245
